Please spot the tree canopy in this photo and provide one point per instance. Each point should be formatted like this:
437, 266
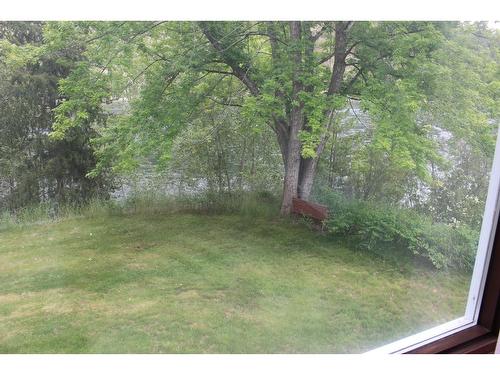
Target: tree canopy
33, 167
296, 79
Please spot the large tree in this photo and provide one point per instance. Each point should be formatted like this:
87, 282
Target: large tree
34, 168
295, 77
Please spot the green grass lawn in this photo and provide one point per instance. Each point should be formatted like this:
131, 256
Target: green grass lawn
189, 283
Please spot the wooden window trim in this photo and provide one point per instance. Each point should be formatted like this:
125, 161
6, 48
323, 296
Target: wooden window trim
482, 337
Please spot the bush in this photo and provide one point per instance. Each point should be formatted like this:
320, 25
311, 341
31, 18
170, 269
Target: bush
396, 232
456, 244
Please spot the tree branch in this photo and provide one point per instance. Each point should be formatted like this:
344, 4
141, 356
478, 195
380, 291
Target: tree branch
271, 30
354, 79
324, 59
320, 32
110, 31
139, 74
237, 70
226, 103
349, 50
268, 35
218, 71
169, 81
133, 36
341, 29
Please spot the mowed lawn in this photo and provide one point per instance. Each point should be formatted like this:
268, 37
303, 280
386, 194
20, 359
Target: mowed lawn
189, 283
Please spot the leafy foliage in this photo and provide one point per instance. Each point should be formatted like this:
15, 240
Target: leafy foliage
226, 154
34, 168
215, 102
397, 232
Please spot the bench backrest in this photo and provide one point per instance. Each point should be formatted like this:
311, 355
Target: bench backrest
312, 210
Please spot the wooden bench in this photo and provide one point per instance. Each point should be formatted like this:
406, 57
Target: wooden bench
315, 211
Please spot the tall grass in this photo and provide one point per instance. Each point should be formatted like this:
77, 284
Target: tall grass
246, 204
46, 212
388, 231
249, 204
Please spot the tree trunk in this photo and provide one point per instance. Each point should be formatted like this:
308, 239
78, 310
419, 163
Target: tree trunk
306, 177
299, 176
299, 172
307, 166
296, 122
291, 157
291, 180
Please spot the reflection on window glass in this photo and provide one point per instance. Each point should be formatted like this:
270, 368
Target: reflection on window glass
240, 187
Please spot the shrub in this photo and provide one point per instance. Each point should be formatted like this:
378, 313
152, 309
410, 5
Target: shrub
396, 232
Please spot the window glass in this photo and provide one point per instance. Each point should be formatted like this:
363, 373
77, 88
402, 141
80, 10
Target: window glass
244, 187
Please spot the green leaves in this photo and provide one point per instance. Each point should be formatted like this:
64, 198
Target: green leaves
17, 56
84, 91
41, 168
394, 232
411, 78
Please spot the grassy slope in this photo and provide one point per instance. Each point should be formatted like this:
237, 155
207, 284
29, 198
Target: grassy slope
194, 283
